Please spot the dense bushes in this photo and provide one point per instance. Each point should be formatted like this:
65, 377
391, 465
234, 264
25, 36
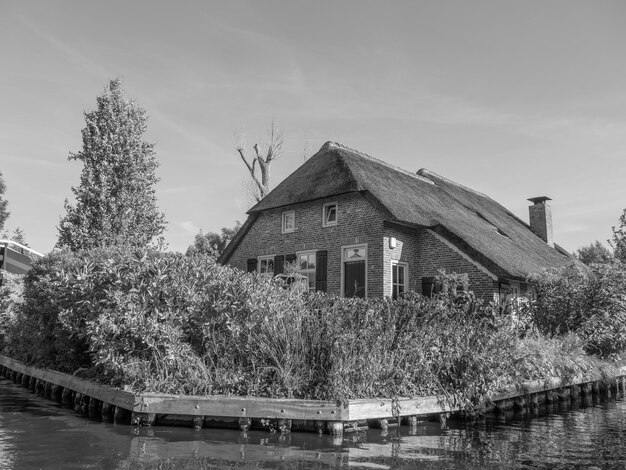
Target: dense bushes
590, 302
166, 322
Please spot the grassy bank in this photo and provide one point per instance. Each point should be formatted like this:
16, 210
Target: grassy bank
169, 323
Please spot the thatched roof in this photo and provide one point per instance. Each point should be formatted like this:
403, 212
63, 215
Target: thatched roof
477, 224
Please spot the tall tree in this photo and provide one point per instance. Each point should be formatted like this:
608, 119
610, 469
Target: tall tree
19, 236
116, 199
4, 213
618, 242
213, 243
595, 253
264, 155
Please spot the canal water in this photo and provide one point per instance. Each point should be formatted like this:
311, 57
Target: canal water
36, 433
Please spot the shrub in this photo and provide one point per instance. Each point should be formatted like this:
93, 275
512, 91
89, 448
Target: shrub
590, 302
165, 322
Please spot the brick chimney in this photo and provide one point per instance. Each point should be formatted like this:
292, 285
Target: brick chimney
541, 218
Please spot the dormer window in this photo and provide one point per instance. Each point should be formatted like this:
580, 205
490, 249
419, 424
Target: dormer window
289, 221
329, 214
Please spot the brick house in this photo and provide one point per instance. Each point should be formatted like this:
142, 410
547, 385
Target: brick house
357, 226
16, 258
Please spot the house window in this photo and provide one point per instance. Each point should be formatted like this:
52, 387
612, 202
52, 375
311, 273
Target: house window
306, 268
329, 214
289, 221
266, 265
430, 287
399, 279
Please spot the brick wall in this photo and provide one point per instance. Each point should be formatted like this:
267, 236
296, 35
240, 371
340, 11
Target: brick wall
358, 222
405, 251
434, 254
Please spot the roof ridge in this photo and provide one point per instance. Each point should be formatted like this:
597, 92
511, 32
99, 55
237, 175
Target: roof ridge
329, 145
426, 173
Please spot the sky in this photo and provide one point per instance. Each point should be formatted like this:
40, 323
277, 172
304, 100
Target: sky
512, 99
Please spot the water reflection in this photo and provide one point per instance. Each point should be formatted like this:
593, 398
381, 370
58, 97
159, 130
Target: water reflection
36, 433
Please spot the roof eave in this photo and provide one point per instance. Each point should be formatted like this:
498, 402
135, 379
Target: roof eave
252, 210
234, 243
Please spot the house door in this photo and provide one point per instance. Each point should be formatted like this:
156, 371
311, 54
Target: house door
354, 279
354, 259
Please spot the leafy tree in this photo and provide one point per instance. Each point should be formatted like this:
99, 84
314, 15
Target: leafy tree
212, 243
19, 236
264, 155
4, 213
116, 200
594, 253
618, 242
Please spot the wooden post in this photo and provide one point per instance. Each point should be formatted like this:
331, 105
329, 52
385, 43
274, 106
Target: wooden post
121, 416
412, 423
39, 387
67, 397
107, 412
55, 393
595, 387
244, 424
320, 426
25, 380
519, 403
32, 383
335, 428
17, 377
197, 422
47, 391
95, 409
84, 407
78, 401
443, 419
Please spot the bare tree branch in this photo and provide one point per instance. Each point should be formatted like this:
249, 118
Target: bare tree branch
263, 157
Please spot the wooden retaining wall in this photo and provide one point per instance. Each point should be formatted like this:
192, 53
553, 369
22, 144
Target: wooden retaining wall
109, 404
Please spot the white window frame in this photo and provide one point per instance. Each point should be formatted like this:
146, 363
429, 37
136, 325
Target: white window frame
306, 272
260, 261
344, 249
284, 228
325, 206
405, 266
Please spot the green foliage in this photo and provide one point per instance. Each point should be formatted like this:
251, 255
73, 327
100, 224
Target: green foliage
4, 213
213, 244
11, 292
594, 253
588, 302
19, 236
116, 200
618, 241
167, 322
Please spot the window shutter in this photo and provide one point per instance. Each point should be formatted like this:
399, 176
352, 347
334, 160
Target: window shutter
279, 264
321, 258
252, 265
